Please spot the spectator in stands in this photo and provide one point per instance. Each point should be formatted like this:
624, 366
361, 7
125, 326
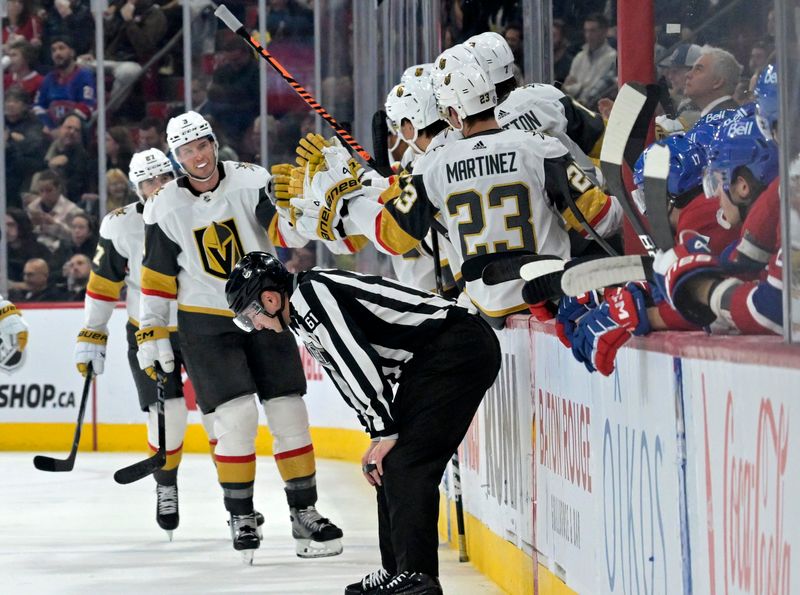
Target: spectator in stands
37, 286
83, 240
759, 57
83, 235
119, 190
676, 68
68, 157
21, 23
593, 72
712, 80
152, 135
288, 19
68, 89
233, 95
119, 148
513, 36
21, 55
24, 144
73, 18
52, 212
22, 246
562, 55
76, 272
133, 33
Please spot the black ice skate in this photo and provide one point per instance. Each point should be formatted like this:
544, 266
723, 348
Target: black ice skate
409, 583
369, 583
259, 522
315, 536
243, 534
167, 508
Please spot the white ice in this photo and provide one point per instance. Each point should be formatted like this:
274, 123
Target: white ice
81, 533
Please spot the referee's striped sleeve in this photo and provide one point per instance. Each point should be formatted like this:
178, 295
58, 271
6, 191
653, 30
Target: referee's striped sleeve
356, 363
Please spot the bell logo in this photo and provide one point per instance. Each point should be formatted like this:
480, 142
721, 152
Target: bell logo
771, 78
219, 246
742, 129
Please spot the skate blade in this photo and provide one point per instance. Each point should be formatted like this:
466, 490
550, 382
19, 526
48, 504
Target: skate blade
247, 557
169, 535
306, 548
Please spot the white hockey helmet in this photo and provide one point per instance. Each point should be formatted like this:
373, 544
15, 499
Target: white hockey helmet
449, 60
467, 90
148, 164
186, 128
493, 54
414, 101
416, 71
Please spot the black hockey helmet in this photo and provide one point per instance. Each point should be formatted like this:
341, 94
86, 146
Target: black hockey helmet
255, 273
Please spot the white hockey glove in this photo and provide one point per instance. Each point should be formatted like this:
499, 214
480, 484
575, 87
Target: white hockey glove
325, 195
154, 346
13, 336
90, 347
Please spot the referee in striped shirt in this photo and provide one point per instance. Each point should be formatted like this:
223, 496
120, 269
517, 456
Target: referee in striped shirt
412, 365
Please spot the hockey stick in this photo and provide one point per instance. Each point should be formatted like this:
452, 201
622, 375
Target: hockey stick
462, 537
626, 134
340, 131
472, 269
605, 272
542, 281
585, 276
510, 268
144, 468
237, 27
380, 143
43, 463
656, 172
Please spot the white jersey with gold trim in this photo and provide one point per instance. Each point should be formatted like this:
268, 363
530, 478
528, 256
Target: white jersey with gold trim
118, 261
193, 240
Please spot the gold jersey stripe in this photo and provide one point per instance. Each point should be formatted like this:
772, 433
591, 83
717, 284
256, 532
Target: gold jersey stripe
205, 310
99, 285
392, 236
157, 283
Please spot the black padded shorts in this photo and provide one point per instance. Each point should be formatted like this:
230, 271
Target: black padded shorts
228, 365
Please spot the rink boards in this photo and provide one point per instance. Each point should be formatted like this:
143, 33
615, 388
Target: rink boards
677, 474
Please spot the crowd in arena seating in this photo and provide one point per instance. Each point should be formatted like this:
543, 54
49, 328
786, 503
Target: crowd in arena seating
51, 97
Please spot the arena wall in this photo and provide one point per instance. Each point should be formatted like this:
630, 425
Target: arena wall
677, 474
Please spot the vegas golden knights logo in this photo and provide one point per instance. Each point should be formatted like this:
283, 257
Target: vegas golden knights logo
220, 247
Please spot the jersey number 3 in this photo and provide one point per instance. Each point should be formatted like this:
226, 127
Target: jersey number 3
478, 230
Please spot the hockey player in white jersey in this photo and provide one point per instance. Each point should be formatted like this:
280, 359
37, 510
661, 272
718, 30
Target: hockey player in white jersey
411, 106
118, 263
196, 230
13, 336
496, 191
538, 107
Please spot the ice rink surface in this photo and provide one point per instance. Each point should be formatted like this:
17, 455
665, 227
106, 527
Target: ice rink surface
81, 533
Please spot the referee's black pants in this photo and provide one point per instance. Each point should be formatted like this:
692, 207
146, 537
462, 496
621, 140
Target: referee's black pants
437, 398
